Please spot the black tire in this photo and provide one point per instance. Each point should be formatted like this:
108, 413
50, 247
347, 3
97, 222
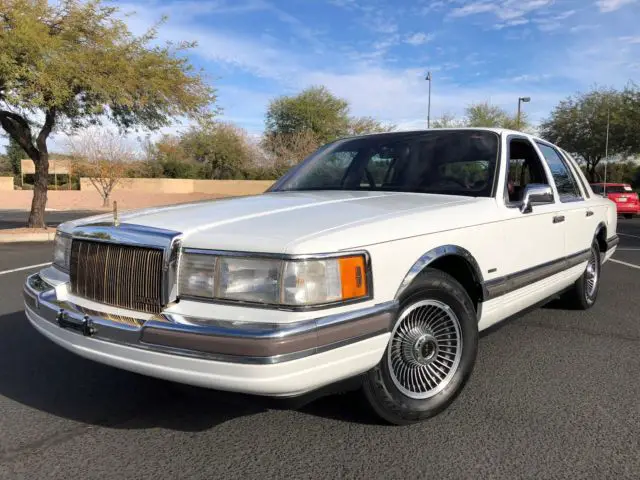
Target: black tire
628, 215
583, 294
431, 290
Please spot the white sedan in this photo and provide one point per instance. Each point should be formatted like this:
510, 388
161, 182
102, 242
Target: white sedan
378, 258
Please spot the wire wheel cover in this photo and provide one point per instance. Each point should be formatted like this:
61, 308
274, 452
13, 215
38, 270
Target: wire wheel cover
592, 275
425, 349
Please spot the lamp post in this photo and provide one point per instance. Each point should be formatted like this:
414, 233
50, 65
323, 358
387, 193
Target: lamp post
606, 155
428, 79
521, 100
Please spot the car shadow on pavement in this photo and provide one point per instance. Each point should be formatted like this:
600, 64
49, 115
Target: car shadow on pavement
39, 374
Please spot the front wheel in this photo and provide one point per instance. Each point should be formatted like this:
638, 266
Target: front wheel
430, 355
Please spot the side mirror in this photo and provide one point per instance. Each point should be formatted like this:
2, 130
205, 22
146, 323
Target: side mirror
535, 194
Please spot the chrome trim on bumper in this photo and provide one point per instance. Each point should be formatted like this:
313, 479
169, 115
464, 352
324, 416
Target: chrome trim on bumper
234, 342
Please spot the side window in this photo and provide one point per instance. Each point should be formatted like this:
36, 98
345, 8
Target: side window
524, 167
575, 169
562, 176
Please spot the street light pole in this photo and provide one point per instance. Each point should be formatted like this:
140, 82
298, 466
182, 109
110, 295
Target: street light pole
428, 79
521, 100
606, 155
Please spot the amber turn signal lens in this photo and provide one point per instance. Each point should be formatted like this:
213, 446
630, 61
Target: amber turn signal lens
353, 276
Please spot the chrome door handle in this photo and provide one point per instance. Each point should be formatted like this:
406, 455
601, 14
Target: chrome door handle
558, 219
589, 213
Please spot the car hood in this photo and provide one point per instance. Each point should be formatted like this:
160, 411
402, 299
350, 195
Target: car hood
279, 222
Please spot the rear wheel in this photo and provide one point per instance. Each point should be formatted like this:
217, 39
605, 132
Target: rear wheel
584, 292
628, 215
430, 355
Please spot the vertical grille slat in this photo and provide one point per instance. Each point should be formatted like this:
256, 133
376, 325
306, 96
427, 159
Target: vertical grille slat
117, 275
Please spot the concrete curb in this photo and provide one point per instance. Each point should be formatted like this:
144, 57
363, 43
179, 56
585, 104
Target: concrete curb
27, 237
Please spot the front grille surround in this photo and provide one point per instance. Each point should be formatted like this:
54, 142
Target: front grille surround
118, 275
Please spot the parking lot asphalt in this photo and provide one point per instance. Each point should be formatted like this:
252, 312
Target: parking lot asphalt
554, 394
18, 218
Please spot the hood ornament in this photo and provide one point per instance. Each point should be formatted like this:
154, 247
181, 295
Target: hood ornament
116, 220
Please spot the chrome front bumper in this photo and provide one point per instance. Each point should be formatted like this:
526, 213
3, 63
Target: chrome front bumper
221, 341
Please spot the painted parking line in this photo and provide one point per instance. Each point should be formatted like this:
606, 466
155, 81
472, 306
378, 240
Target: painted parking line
627, 235
632, 265
627, 249
25, 268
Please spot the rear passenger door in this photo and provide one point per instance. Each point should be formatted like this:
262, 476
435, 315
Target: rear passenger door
579, 220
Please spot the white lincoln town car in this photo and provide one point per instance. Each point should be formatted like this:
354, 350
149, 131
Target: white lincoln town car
378, 258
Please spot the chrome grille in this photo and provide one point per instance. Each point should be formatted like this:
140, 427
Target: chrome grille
118, 275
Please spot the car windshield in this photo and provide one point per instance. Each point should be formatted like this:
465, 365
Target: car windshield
450, 162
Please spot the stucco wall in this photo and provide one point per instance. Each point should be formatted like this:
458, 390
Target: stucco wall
6, 184
231, 187
176, 185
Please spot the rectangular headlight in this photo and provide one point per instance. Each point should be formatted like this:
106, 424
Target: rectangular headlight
274, 281
249, 279
197, 275
62, 251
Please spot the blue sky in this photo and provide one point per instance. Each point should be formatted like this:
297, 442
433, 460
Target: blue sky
375, 53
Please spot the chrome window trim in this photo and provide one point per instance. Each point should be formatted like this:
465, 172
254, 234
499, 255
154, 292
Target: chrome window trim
580, 197
284, 257
544, 165
576, 171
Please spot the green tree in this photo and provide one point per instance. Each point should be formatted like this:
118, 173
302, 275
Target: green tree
169, 159
15, 153
364, 125
67, 64
484, 114
447, 120
314, 109
579, 125
223, 150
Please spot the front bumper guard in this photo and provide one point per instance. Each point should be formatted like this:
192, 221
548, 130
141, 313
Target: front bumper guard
228, 341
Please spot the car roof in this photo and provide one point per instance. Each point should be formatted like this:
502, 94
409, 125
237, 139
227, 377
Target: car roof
499, 131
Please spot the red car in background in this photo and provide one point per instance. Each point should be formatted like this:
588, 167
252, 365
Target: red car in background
622, 194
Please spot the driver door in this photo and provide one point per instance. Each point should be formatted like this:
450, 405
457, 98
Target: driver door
534, 241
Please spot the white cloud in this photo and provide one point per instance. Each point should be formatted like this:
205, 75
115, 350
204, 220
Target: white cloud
419, 38
473, 9
503, 9
630, 39
583, 28
511, 23
432, 6
606, 6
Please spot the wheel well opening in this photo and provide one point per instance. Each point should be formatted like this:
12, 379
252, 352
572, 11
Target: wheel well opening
601, 237
463, 272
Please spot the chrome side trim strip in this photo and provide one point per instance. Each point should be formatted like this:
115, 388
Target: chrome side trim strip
514, 281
